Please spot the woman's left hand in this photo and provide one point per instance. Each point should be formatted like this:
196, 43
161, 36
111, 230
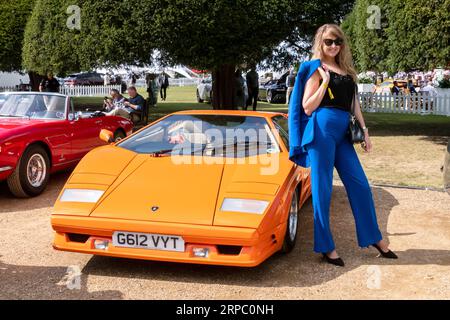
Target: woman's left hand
367, 144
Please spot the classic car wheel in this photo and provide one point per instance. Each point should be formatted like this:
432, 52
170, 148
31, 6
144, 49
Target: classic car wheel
198, 98
292, 225
119, 135
31, 175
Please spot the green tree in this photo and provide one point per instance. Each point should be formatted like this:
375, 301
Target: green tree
111, 35
419, 35
368, 40
297, 45
412, 35
107, 36
221, 35
217, 35
49, 45
13, 18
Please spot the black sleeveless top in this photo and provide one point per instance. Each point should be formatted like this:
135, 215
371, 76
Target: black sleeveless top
342, 90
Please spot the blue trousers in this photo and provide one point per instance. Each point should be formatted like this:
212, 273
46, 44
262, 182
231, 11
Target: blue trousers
331, 148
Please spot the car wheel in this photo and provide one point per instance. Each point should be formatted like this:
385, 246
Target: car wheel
291, 225
198, 98
119, 135
31, 175
269, 96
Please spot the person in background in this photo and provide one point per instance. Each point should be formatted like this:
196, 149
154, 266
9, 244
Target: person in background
163, 84
413, 102
428, 93
395, 89
290, 82
135, 104
411, 87
115, 106
239, 89
429, 89
152, 89
49, 84
135, 101
252, 78
133, 79
106, 79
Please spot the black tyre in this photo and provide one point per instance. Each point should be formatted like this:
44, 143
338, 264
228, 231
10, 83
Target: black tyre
119, 135
198, 98
290, 236
31, 175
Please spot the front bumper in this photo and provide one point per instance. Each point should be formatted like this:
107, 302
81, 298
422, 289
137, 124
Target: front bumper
255, 247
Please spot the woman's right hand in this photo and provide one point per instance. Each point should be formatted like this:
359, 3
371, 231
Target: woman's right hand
325, 74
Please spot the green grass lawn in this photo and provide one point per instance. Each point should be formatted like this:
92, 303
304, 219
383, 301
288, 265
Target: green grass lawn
408, 149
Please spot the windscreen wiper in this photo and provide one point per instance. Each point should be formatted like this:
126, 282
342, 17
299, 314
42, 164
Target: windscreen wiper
11, 116
160, 153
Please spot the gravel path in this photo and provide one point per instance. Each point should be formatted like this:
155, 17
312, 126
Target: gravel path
416, 222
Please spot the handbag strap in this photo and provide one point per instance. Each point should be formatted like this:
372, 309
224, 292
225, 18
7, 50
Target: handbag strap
355, 96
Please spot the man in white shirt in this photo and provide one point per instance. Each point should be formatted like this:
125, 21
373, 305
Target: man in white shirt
429, 89
428, 92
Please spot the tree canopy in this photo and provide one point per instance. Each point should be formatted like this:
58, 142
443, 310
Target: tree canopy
217, 35
13, 18
48, 44
412, 35
220, 35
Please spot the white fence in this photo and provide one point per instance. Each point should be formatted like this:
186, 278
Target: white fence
9, 88
420, 103
89, 91
182, 82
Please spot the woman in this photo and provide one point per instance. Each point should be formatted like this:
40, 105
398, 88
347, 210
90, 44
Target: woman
319, 113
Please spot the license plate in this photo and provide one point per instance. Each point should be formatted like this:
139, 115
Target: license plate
148, 241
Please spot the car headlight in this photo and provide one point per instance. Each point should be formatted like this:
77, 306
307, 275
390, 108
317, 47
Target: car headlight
81, 195
244, 205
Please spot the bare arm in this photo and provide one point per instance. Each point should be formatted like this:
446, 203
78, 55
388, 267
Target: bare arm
359, 116
314, 91
358, 113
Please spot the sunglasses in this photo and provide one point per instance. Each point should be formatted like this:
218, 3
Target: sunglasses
329, 42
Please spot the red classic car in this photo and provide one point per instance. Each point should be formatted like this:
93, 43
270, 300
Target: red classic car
41, 133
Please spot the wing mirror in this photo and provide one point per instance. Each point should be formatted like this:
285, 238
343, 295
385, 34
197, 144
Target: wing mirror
75, 116
107, 136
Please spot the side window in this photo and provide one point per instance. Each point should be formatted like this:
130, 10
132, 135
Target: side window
281, 124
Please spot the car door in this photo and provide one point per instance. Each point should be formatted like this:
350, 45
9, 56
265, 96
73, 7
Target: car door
85, 132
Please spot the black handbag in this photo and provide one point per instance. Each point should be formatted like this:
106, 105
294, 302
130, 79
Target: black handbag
356, 133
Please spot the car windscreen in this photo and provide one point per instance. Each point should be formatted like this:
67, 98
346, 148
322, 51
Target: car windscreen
33, 106
205, 135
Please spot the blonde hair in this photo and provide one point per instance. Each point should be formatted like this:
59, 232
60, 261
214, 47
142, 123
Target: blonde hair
344, 57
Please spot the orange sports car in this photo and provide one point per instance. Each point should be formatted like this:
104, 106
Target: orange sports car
206, 187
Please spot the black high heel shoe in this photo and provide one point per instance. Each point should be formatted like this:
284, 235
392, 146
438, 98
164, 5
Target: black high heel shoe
388, 255
337, 262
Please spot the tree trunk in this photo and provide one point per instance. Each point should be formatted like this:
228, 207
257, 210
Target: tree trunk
35, 80
223, 93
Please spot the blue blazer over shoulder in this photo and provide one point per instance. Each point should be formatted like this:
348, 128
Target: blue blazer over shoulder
301, 126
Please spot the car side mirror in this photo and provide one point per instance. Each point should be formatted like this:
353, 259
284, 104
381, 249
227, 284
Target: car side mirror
107, 136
